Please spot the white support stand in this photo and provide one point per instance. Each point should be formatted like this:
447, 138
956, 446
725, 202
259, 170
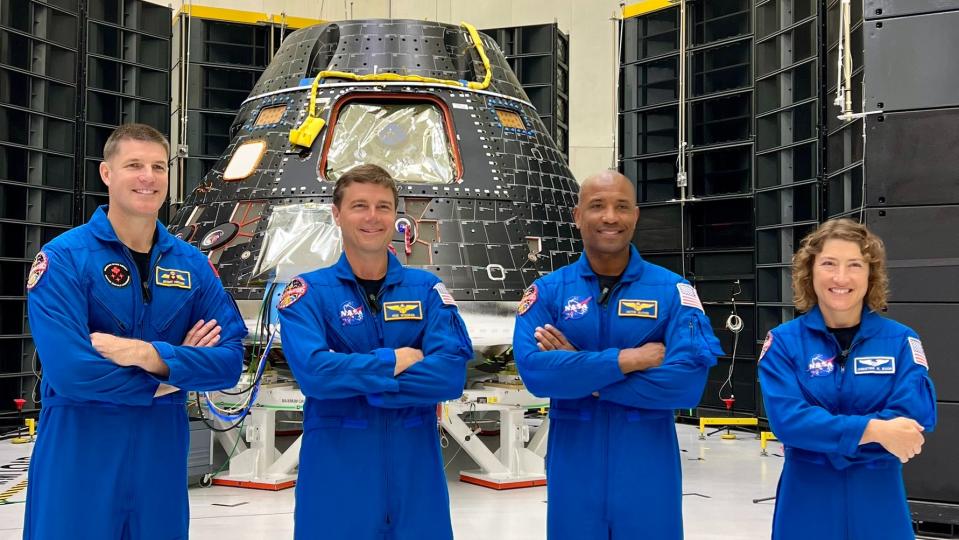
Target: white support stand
261, 465
513, 465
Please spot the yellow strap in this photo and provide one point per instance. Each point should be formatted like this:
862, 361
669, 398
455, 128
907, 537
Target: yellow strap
302, 134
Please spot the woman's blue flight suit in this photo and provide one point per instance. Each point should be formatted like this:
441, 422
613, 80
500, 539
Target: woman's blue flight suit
819, 402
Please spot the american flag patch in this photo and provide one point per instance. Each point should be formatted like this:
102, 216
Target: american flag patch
445, 295
688, 296
918, 355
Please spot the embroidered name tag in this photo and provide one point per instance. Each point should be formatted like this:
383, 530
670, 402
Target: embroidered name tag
639, 308
169, 277
402, 311
875, 365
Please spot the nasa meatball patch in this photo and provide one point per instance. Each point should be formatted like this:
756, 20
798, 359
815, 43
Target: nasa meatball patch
40, 264
576, 307
294, 290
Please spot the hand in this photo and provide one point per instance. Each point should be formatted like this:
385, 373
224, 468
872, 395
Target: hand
203, 334
549, 338
406, 357
129, 353
901, 437
648, 356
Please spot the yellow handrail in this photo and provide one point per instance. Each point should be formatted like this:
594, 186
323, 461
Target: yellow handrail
306, 133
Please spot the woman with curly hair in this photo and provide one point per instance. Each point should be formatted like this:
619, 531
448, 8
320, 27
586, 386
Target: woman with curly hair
848, 393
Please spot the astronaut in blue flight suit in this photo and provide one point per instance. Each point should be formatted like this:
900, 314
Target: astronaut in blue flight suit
115, 344
848, 393
591, 337
374, 347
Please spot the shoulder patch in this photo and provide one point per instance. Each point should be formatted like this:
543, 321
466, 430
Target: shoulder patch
40, 264
529, 298
918, 354
766, 344
444, 293
294, 290
689, 297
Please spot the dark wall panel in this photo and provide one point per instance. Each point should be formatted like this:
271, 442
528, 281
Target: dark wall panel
922, 74
936, 326
908, 159
922, 251
876, 9
930, 476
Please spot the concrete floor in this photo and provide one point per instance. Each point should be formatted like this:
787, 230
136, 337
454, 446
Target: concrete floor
721, 478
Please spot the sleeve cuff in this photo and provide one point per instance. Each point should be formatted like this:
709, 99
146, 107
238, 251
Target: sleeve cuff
386, 365
167, 353
849, 443
609, 361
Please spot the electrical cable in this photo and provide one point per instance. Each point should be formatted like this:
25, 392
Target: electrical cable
236, 415
734, 323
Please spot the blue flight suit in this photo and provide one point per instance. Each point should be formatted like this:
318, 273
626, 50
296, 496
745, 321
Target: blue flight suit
370, 461
612, 463
831, 488
110, 460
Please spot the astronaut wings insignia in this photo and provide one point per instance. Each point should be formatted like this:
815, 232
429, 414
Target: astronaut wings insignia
639, 308
874, 365
402, 311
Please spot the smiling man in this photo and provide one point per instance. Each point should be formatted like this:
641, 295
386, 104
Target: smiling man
111, 305
617, 344
374, 347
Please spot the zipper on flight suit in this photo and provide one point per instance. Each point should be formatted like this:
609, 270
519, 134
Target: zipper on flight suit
603, 301
378, 325
843, 355
138, 300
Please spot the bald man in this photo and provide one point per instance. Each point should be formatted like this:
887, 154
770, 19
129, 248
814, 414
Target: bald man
617, 344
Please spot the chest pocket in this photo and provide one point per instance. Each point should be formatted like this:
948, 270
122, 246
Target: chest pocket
171, 312
872, 380
110, 309
403, 331
634, 322
349, 325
